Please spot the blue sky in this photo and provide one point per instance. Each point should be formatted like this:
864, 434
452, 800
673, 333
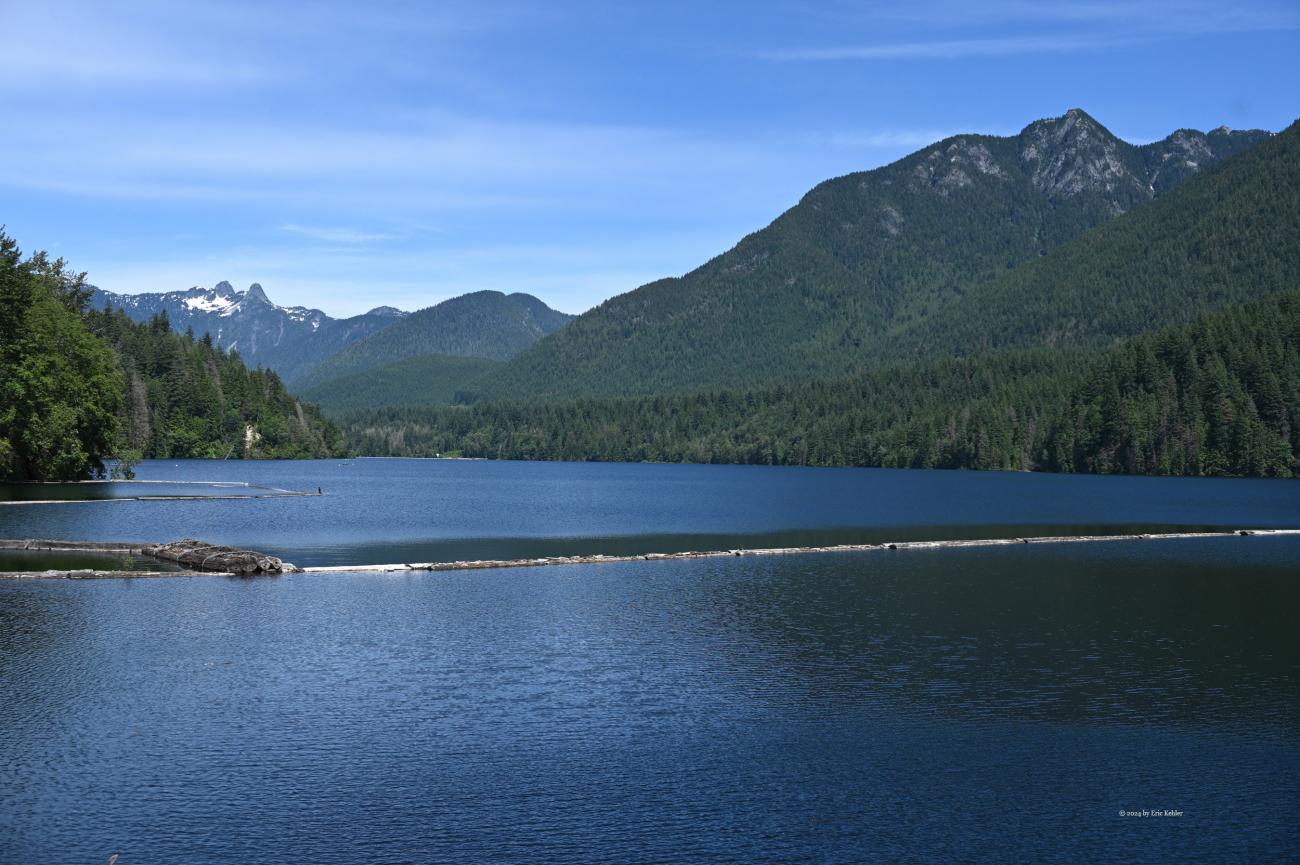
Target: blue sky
347, 155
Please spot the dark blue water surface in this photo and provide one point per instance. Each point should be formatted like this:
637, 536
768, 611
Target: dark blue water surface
377, 511
977, 705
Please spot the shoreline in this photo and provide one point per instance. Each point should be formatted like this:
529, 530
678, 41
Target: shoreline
142, 549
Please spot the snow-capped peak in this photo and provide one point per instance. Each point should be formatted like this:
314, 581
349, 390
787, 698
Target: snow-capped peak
212, 301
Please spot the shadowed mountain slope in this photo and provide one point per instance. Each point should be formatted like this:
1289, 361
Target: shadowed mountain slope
484, 324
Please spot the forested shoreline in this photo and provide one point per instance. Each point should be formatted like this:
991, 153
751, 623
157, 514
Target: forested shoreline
1217, 397
186, 398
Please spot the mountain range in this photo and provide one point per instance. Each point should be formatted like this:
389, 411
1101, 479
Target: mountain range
308, 348
288, 339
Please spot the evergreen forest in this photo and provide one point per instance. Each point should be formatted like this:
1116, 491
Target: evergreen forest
84, 393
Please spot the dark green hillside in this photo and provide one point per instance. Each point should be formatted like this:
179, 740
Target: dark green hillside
187, 398
814, 294
432, 379
483, 324
1217, 397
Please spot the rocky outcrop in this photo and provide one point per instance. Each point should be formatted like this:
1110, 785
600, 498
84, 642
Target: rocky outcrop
188, 553
1070, 155
952, 166
202, 556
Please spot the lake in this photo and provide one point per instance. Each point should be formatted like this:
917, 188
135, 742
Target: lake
973, 705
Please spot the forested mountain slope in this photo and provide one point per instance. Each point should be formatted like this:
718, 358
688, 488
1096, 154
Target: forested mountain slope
426, 380
483, 324
1220, 396
813, 294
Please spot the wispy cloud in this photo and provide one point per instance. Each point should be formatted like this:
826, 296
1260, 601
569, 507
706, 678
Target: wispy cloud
104, 47
231, 44
953, 48
455, 163
1152, 16
348, 236
1074, 27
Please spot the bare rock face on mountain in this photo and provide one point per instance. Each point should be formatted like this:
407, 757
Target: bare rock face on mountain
955, 166
1074, 154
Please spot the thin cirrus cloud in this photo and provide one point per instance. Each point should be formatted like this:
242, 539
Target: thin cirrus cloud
102, 51
953, 48
340, 235
215, 46
1151, 17
455, 163
1106, 26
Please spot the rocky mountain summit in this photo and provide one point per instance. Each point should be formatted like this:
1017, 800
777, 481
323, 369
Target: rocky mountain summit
1074, 156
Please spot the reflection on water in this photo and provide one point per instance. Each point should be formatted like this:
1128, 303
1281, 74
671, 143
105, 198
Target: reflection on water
55, 560
99, 491
986, 705
376, 511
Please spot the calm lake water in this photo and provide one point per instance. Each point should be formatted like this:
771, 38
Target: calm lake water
991, 705
378, 511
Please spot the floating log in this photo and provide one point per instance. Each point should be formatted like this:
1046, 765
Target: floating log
483, 564
200, 556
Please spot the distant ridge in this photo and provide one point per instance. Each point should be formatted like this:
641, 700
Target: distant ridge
483, 324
